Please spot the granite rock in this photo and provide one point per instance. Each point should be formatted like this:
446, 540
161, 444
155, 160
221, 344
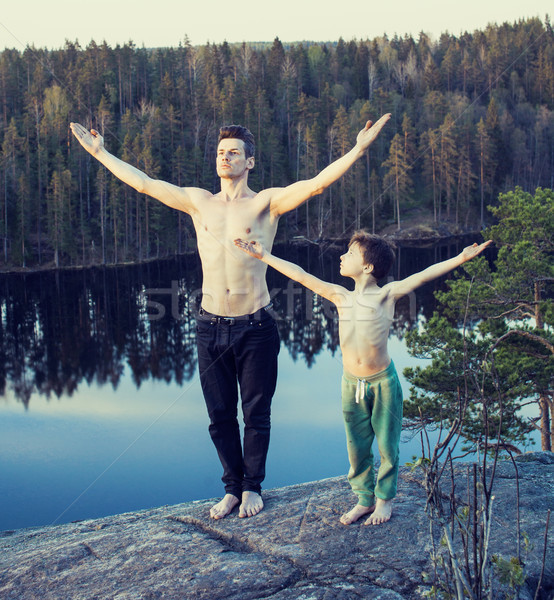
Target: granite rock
295, 548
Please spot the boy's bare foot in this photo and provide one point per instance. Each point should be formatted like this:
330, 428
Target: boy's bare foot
354, 514
224, 507
251, 505
382, 512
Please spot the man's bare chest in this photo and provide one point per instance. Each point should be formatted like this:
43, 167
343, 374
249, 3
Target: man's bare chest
226, 222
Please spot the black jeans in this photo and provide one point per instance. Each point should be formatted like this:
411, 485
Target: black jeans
242, 350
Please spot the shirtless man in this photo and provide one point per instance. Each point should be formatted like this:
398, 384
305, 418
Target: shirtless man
371, 393
237, 339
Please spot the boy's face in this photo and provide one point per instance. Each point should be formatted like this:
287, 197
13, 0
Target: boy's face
352, 262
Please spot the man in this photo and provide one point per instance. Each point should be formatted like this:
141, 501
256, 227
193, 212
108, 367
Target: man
237, 338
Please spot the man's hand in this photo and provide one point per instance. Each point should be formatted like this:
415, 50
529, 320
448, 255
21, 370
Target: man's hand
254, 249
474, 250
371, 130
91, 140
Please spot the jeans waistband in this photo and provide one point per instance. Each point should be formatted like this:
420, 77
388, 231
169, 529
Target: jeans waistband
260, 314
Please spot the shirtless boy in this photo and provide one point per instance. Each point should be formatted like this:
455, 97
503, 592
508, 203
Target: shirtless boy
371, 393
237, 339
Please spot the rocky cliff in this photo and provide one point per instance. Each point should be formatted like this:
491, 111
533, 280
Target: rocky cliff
295, 549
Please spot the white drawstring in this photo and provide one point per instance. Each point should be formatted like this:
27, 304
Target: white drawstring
360, 390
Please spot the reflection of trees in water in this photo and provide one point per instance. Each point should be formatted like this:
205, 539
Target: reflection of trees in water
59, 329
62, 328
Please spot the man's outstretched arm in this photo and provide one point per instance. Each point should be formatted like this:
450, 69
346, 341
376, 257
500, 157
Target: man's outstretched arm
405, 286
167, 193
294, 195
330, 291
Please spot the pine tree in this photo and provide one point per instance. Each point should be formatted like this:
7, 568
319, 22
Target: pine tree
466, 180
447, 159
486, 165
341, 144
10, 161
522, 288
60, 214
397, 182
506, 360
429, 148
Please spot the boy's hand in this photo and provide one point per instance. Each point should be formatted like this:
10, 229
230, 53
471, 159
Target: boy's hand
91, 140
474, 250
371, 130
254, 249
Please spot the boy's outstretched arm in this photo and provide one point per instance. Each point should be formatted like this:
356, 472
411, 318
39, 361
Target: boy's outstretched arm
330, 291
409, 284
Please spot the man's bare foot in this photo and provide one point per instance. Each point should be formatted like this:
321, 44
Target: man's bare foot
354, 514
382, 512
251, 505
224, 507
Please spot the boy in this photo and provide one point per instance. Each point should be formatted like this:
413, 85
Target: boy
371, 393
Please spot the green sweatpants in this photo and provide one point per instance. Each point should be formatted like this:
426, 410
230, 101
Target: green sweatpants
372, 407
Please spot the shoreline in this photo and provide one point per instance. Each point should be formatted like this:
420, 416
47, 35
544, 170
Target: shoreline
416, 236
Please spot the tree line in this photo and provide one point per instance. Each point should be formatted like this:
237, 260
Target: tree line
472, 117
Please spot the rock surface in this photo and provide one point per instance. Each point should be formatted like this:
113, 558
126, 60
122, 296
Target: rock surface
294, 549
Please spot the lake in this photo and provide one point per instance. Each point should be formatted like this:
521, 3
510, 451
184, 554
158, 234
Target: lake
101, 409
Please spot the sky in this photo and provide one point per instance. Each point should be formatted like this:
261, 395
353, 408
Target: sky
158, 23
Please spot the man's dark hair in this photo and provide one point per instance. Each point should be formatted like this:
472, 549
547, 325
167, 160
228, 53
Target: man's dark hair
375, 250
240, 133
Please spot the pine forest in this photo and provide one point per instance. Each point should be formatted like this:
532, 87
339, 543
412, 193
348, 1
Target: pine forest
472, 117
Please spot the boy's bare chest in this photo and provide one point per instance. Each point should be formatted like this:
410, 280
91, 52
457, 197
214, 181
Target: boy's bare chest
365, 316
363, 307
359, 317
363, 328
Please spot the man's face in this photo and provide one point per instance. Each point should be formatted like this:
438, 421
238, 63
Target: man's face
231, 161
352, 261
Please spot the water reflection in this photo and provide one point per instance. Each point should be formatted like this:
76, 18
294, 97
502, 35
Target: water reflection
102, 410
60, 329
